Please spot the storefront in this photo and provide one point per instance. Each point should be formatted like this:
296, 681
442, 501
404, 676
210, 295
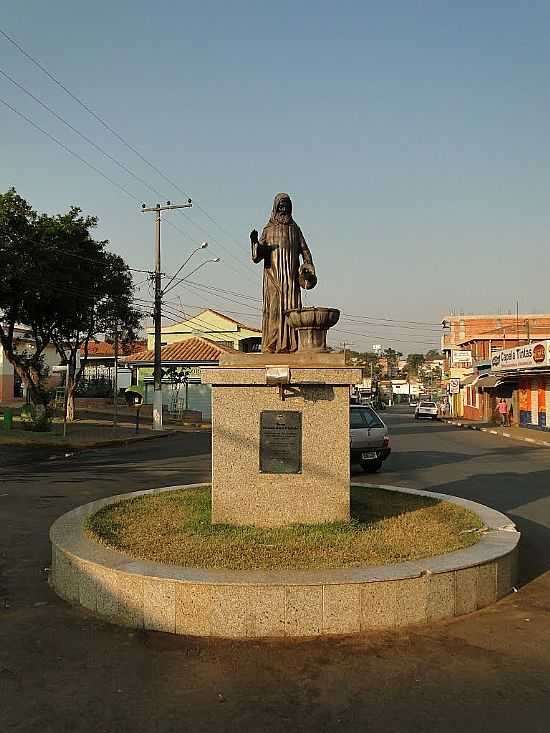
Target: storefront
530, 364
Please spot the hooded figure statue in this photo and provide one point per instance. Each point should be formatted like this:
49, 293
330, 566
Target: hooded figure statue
280, 247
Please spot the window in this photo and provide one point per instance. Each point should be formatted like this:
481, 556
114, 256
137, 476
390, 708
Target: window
364, 418
356, 419
471, 396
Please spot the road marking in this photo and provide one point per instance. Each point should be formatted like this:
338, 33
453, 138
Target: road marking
493, 432
529, 440
506, 435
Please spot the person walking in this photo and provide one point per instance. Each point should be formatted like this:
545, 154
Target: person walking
502, 409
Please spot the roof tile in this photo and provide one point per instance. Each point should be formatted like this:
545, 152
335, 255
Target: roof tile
193, 349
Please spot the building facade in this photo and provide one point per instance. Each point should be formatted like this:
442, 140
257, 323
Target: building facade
181, 364
468, 345
529, 368
11, 387
212, 325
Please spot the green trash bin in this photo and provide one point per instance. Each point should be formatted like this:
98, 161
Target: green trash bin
8, 418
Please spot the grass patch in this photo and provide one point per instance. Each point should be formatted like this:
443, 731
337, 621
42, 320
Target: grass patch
386, 527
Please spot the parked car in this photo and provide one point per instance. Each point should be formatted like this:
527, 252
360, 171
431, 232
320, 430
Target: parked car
369, 439
426, 409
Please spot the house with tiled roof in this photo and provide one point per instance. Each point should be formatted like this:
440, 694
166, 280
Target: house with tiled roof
181, 363
213, 325
100, 361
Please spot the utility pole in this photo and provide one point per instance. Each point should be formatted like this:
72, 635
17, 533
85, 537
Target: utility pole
345, 345
115, 379
157, 313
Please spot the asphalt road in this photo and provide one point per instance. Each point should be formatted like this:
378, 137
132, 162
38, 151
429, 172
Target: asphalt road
61, 669
513, 477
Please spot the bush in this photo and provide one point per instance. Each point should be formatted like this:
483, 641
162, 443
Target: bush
37, 419
95, 388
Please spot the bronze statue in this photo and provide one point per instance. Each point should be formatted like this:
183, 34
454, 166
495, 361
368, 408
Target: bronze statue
279, 248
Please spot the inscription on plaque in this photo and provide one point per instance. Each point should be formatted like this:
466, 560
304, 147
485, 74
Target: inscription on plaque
280, 442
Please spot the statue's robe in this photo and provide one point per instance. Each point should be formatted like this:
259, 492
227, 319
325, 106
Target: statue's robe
281, 289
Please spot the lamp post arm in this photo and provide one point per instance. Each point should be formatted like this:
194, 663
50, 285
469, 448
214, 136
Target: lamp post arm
183, 279
174, 276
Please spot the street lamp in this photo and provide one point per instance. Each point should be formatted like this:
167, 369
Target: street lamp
204, 245
183, 279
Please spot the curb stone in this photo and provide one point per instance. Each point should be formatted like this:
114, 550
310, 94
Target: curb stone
78, 447
195, 601
467, 426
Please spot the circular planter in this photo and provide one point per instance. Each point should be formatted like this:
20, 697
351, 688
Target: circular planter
279, 603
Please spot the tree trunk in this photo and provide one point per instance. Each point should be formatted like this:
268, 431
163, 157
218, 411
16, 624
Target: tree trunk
71, 389
32, 379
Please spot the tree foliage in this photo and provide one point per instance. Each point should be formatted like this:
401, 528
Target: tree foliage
22, 295
433, 354
414, 362
63, 284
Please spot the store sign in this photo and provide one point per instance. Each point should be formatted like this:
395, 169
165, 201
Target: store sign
461, 357
454, 386
531, 355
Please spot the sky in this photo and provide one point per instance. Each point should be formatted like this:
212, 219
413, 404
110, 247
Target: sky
412, 137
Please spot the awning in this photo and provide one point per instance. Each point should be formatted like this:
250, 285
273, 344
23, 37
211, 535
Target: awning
469, 381
490, 381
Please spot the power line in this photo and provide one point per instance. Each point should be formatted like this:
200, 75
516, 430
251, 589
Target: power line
81, 134
90, 259
391, 320
204, 307
68, 150
83, 105
404, 327
213, 291
247, 270
207, 326
108, 127
124, 167
384, 338
117, 162
190, 238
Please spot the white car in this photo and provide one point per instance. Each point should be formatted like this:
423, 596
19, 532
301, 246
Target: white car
426, 409
369, 439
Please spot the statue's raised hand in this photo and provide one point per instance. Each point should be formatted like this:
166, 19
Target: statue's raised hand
254, 237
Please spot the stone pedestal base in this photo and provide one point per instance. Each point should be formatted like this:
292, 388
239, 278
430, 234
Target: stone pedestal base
319, 492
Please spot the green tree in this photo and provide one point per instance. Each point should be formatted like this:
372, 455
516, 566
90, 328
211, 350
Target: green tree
372, 367
63, 284
433, 354
414, 362
95, 287
24, 295
365, 359
392, 357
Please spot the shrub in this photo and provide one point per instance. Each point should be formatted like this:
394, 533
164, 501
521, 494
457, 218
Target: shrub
37, 419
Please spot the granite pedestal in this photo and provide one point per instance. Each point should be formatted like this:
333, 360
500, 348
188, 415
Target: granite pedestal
270, 468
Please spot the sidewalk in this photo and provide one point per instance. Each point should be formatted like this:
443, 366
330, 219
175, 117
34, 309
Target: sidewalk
525, 435
91, 430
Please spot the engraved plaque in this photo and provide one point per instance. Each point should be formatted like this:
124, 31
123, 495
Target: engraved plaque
280, 441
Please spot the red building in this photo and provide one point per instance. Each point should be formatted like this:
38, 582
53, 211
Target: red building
478, 337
